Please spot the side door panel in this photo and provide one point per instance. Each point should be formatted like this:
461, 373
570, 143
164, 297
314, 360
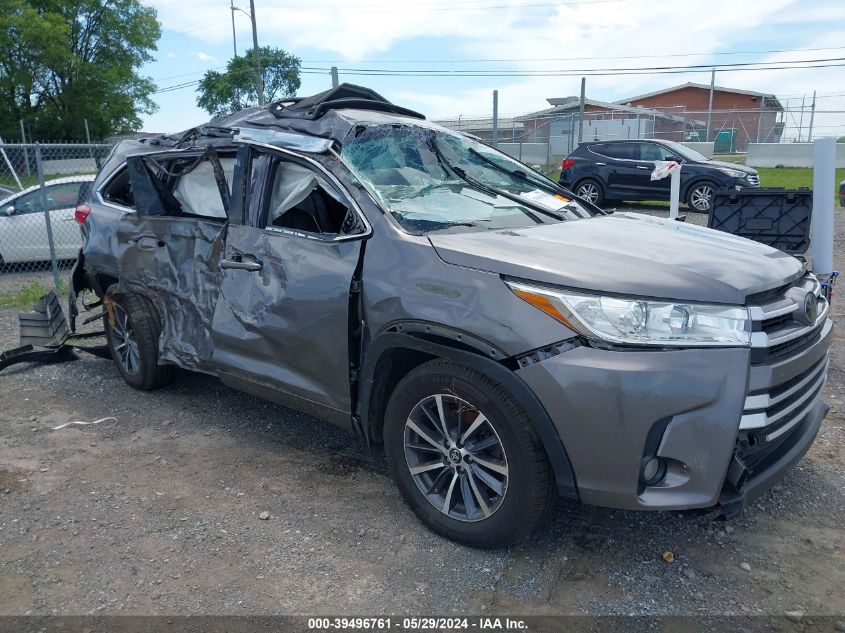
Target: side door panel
281, 327
25, 231
631, 175
650, 152
287, 324
175, 261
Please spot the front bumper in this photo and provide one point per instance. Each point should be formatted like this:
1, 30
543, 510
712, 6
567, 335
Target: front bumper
685, 405
735, 497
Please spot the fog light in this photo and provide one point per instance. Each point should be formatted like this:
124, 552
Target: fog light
652, 471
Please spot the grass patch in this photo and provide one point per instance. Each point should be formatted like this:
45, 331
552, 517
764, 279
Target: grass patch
794, 177
30, 181
730, 158
26, 296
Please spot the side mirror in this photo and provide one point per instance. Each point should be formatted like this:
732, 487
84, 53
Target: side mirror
8, 210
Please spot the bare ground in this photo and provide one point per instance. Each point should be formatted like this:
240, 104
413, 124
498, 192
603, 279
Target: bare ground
158, 513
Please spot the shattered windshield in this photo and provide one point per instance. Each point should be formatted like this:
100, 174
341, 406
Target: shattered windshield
436, 180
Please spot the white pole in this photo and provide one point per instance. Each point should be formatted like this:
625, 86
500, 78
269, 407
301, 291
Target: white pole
674, 192
824, 161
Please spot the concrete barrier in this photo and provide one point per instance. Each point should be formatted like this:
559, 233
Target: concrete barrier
702, 148
70, 166
528, 153
787, 155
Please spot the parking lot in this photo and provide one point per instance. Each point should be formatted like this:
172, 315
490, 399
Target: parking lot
157, 512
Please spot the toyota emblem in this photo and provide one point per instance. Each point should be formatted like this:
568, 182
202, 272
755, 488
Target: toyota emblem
810, 308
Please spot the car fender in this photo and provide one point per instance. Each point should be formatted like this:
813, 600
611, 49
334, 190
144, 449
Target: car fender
469, 357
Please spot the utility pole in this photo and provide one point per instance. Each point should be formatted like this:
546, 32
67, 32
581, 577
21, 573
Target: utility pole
259, 82
335, 78
710, 104
580, 111
495, 140
234, 37
812, 116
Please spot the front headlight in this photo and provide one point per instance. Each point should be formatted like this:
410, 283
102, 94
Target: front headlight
733, 173
632, 321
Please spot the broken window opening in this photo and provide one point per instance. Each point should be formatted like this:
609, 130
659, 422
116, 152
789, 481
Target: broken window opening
184, 186
119, 190
303, 201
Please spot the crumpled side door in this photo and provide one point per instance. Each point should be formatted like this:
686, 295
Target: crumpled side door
174, 260
285, 319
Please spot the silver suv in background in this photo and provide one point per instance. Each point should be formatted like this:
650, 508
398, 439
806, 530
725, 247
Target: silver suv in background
501, 340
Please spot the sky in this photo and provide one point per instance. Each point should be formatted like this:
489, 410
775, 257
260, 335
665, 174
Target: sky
509, 36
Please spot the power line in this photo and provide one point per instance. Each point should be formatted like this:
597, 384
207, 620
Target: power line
368, 72
376, 73
418, 7
549, 73
568, 71
566, 59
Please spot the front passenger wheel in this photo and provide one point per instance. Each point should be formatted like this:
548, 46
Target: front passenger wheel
465, 456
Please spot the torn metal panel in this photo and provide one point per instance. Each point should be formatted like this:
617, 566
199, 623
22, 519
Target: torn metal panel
176, 263
285, 140
45, 325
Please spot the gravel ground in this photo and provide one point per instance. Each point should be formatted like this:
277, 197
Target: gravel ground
159, 511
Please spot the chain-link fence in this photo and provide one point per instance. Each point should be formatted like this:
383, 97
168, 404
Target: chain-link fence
543, 138
40, 186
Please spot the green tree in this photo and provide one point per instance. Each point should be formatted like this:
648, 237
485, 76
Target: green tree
233, 90
62, 61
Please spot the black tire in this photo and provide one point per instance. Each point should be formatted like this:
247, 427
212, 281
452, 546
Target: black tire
528, 493
132, 331
591, 190
695, 193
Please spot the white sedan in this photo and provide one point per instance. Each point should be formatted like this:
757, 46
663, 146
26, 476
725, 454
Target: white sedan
23, 226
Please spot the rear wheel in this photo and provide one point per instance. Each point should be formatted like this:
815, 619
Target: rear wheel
590, 190
132, 332
700, 197
465, 456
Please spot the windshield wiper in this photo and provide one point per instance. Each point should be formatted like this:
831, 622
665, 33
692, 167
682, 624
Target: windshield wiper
548, 185
489, 189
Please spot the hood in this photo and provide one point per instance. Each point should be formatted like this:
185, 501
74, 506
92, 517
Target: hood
628, 254
721, 164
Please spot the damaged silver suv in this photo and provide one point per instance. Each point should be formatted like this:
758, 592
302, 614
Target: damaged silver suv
502, 340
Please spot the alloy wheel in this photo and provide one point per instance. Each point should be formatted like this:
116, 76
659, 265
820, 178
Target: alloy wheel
701, 197
589, 192
456, 458
123, 340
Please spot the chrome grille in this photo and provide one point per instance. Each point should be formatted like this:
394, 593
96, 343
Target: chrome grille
754, 180
780, 326
782, 330
782, 407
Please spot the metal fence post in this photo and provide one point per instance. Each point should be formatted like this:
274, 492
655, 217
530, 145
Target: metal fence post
53, 262
25, 151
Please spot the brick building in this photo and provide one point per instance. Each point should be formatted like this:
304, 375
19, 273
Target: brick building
558, 125
739, 117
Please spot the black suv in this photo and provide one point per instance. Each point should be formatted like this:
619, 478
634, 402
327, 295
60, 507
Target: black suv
621, 170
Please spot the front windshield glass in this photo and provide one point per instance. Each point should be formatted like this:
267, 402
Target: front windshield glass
436, 180
685, 152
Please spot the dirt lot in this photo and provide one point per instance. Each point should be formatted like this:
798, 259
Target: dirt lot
158, 512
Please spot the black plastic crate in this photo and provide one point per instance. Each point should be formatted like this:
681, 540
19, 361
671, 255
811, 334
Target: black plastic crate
777, 217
